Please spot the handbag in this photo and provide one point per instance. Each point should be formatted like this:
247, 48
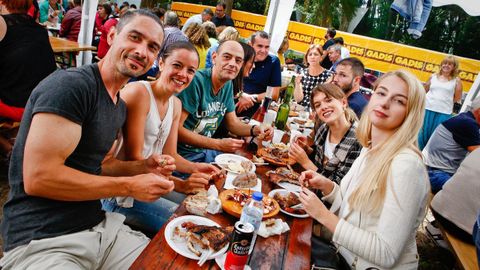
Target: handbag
325, 255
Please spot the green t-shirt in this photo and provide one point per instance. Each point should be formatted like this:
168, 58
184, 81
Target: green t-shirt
206, 109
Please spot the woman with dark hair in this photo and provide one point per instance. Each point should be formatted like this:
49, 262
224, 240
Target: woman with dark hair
101, 17
153, 117
335, 146
26, 59
51, 11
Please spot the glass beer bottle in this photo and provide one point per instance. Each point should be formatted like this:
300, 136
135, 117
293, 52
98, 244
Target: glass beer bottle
284, 109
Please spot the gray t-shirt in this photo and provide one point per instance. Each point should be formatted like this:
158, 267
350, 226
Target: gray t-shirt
80, 96
448, 144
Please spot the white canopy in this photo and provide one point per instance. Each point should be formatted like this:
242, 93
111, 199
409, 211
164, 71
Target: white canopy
472, 7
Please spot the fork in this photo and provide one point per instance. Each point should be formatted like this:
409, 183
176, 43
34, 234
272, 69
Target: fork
204, 257
297, 206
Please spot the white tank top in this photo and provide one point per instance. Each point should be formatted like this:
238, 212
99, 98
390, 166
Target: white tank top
440, 95
156, 130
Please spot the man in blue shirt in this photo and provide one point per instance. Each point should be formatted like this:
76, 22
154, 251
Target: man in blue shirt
450, 143
266, 73
348, 76
220, 17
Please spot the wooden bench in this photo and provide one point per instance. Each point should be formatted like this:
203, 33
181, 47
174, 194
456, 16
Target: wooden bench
465, 253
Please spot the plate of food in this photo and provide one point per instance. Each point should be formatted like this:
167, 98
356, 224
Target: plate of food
286, 200
191, 236
235, 163
233, 201
286, 178
243, 181
276, 153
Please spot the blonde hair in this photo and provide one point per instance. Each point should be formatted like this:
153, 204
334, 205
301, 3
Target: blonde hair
197, 35
332, 91
229, 33
456, 65
369, 196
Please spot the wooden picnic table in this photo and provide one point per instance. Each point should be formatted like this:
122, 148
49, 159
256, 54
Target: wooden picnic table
290, 250
64, 47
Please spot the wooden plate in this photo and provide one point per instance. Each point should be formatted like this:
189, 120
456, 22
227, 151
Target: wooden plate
235, 209
266, 156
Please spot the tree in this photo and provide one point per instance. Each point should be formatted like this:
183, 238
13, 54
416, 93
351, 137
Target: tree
327, 13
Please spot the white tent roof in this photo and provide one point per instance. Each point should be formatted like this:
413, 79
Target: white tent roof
472, 7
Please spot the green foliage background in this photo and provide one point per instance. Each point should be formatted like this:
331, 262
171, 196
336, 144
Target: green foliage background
449, 29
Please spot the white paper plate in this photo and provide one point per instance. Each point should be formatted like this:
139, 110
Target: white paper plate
181, 246
229, 183
290, 187
226, 158
220, 260
285, 192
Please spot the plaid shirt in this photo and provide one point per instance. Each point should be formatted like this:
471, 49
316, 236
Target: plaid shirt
345, 153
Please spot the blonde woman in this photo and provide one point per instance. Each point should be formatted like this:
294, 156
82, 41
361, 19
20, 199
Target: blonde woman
310, 76
335, 146
282, 50
229, 33
197, 35
382, 200
444, 88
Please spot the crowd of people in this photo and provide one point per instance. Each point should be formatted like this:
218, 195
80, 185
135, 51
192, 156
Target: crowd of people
115, 149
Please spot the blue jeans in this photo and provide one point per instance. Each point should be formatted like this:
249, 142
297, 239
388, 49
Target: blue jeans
206, 156
437, 178
147, 217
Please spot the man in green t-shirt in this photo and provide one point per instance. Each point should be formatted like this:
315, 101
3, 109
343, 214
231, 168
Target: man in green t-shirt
206, 101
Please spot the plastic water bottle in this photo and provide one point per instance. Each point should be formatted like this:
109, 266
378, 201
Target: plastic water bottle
253, 213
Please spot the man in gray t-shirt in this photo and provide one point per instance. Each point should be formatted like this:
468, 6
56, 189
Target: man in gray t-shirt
59, 170
450, 143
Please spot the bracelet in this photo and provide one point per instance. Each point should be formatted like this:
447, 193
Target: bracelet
251, 130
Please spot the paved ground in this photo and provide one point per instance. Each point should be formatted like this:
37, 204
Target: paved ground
432, 257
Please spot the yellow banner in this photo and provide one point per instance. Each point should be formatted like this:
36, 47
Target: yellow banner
376, 54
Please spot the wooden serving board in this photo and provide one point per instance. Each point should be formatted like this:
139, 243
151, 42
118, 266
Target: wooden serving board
266, 156
235, 209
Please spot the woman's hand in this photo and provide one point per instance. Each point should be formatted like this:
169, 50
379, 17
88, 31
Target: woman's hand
315, 180
206, 168
196, 181
312, 204
317, 210
160, 164
297, 153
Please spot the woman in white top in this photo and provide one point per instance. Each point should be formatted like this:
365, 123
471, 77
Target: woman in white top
381, 201
153, 115
444, 88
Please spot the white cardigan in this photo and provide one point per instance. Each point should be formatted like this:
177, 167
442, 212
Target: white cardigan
385, 241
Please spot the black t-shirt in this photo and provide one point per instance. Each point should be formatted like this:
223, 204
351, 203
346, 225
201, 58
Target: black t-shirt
226, 20
26, 59
326, 63
80, 96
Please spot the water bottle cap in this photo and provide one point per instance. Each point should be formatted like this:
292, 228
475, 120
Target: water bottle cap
257, 196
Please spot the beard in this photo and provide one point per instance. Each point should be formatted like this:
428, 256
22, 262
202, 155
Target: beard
347, 88
132, 71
